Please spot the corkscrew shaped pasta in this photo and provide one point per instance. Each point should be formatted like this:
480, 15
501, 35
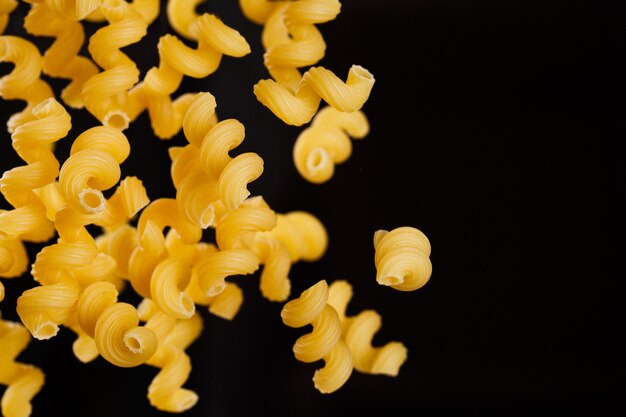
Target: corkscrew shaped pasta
61, 59
174, 336
90, 9
402, 258
208, 181
62, 270
215, 39
151, 249
299, 106
13, 257
48, 123
106, 94
23, 381
358, 332
23, 83
92, 167
6, 8
327, 142
325, 340
114, 326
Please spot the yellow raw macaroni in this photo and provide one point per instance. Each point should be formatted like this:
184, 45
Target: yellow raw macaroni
106, 94
327, 142
325, 340
6, 7
402, 258
23, 83
23, 381
62, 59
358, 332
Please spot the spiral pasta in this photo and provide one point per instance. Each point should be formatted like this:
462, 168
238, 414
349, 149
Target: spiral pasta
358, 332
114, 326
174, 336
215, 39
6, 7
62, 59
402, 258
106, 94
325, 340
327, 142
31, 140
93, 166
23, 381
23, 83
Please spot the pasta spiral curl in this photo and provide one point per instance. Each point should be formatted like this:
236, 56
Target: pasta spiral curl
90, 9
106, 94
114, 326
298, 107
23, 381
358, 332
50, 122
215, 39
93, 166
62, 59
327, 142
325, 340
13, 257
6, 8
23, 83
166, 392
402, 258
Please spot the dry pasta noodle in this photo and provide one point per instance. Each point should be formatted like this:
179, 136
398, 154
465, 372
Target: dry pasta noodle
324, 342
6, 8
23, 381
106, 94
327, 142
177, 60
23, 83
62, 59
402, 258
358, 332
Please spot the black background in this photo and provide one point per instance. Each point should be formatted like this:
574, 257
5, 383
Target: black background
498, 140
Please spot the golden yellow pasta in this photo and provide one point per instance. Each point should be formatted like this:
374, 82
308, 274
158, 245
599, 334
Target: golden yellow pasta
23, 381
73, 10
62, 59
402, 258
6, 7
325, 340
23, 83
106, 94
327, 142
13, 257
358, 332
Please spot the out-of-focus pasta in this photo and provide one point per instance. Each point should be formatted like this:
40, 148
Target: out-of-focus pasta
402, 258
6, 8
23, 381
327, 142
324, 342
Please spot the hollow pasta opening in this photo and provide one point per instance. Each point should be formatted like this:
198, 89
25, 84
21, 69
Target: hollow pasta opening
316, 160
116, 119
207, 217
390, 280
133, 343
216, 289
45, 331
188, 306
92, 200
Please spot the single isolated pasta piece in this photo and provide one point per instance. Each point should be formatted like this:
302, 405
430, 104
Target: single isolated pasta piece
402, 258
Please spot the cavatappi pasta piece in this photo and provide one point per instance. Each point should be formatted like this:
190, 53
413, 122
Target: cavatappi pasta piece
214, 268
32, 141
174, 336
327, 142
182, 16
324, 342
299, 106
167, 287
129, 198
92, 167
402, 258
13, 257
61, 59
358, 332
303, 235
177, 60
257, 11
6, 7
106, 94
291, 39
23, 381
23, 83
114, 326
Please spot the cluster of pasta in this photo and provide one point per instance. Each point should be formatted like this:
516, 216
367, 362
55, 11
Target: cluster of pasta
155, 246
